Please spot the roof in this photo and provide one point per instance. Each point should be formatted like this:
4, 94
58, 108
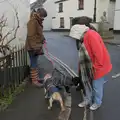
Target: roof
60, 1
37, 4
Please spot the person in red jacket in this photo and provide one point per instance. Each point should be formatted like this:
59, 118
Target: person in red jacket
94, 61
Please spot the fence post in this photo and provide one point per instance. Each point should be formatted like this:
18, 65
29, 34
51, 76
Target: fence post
13, 70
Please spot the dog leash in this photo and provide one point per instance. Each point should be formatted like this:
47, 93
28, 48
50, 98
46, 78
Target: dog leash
47, 53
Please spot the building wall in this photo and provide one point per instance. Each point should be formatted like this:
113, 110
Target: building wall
49, 5
23, 9
102, 5
111, 14
70, 9
117, 16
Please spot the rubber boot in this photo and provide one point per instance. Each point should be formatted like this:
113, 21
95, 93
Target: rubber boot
40, 80
35, 78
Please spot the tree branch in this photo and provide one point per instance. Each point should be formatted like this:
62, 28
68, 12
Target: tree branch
5, 48
18, 25
7, 34
3, 22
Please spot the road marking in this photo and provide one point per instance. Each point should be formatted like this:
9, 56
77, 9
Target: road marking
115, 76
63, 64
71, 72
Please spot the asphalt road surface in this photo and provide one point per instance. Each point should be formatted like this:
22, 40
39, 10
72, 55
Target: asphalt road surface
31, 105
65, 49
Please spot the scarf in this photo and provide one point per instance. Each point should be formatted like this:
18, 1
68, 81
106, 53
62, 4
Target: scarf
86, 69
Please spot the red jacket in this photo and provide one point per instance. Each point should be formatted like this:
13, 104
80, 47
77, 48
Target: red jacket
98, 53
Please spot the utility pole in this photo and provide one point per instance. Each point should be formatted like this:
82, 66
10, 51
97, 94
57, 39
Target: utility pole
95, 8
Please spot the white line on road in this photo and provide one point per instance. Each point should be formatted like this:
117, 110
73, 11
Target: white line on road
115, 76
62, 63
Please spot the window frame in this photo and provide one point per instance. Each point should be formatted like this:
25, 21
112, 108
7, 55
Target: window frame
80, 4
62, 25
60, 7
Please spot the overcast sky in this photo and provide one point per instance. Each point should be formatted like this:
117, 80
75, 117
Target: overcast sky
31, 1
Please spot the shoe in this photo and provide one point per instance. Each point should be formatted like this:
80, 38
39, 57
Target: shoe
83, 104
94, 107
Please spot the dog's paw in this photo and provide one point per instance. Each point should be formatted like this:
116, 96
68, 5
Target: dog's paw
63, 109
46, 97
49, 108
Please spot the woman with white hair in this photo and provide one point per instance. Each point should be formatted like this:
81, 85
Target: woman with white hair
94, 62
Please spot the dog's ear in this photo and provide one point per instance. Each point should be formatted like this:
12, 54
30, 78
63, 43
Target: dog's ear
75, 81
78, 88
75, 78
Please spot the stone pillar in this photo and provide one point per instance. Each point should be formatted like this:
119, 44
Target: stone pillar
103, 29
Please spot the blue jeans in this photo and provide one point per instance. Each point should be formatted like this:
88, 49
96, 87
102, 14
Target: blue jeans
33, 59
98, 86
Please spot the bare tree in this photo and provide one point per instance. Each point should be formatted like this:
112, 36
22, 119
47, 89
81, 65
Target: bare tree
9, 36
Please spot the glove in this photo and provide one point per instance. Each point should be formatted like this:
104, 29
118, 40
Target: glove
44, 42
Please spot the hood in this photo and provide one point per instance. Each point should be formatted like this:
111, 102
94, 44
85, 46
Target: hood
36, 16
77, 31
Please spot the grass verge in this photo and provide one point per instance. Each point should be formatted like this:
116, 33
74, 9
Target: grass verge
8, 98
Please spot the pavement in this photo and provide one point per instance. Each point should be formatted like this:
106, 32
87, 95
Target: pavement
115, 41
31, 105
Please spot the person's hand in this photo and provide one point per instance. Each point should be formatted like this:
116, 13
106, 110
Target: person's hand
44, 42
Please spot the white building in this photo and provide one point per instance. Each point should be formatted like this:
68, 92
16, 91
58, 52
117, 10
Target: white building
49, 5
61, 12
8, 8
117, 16
67, 9
111, 13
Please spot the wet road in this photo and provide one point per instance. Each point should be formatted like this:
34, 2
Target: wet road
65, 49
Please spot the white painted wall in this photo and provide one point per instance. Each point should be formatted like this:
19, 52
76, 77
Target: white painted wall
70, 9
102, 5
23, 9
111, 14
117, 16
49, 5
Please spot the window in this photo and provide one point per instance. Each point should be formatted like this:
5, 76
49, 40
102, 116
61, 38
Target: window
80, 4
60, 7
53, 17
61, 22
71, 18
